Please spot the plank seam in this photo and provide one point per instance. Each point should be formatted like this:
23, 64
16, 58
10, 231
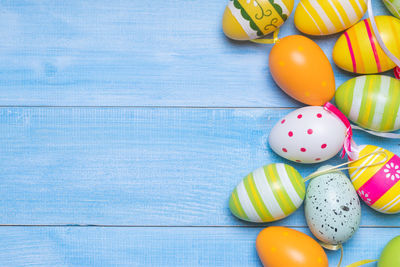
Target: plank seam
175, 226
150, 107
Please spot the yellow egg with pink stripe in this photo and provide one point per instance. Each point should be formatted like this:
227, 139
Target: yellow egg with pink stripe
322, 17
358, 51
375, 175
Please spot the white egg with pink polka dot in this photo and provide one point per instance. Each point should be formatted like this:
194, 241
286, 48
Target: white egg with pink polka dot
308, 135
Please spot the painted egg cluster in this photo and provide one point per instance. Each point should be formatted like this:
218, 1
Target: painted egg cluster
321, 17
393, 6
358, 51
302, 70
268, 194
371, 101
279, 246
332, 208
314, 134
308, 135
377, 185
251, 19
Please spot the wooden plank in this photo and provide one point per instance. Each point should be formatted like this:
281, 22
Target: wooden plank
137, 166
91, 246
134, 53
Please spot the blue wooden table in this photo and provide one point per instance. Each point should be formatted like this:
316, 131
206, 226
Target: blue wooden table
124, 126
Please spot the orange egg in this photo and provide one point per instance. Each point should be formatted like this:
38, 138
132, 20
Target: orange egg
302, 70
279, 246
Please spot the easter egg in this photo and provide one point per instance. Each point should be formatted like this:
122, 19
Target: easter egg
357, 49
268, 194
393, 6
321, 17
279, 246
308, 135
301, 69
251, 19
377, 185
371, 101
390, 254
332, 208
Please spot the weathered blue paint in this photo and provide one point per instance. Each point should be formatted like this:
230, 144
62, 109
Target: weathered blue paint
156, 178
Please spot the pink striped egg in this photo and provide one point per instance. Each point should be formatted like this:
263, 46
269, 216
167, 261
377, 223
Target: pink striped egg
358, 51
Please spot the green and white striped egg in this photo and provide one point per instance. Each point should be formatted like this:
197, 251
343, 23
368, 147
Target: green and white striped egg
371, 101
393, 6
267, 194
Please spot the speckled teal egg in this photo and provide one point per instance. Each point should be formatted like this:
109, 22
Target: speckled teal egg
332, 208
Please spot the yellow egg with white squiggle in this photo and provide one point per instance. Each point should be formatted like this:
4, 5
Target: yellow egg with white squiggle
250, 19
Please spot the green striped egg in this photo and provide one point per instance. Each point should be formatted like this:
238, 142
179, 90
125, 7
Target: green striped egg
393, 6
268, 194
371, 101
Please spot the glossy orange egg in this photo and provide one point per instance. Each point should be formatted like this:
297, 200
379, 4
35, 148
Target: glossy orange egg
302, 70
279, 246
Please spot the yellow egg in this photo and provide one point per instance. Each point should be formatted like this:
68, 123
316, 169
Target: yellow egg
251, 19
322, 17
357, 49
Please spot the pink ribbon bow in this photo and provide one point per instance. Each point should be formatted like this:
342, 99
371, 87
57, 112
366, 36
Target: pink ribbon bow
397, 72
349, 133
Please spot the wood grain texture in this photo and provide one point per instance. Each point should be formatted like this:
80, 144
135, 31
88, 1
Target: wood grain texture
75, 246
136, 169
135, 53
138, 166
